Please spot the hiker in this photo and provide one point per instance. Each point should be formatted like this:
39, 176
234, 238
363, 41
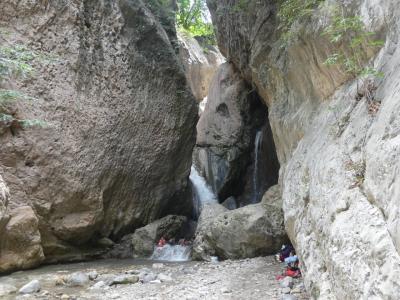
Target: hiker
284, 252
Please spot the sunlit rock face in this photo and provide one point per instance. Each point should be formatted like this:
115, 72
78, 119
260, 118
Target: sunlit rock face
339, 161
115, 153
200, 62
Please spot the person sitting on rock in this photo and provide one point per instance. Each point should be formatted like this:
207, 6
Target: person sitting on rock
162, 242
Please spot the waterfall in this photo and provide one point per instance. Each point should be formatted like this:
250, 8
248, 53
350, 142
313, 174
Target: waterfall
257, 152
202, 192
171, 253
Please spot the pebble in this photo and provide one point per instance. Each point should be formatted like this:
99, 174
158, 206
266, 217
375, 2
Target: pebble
286, 282
30, 288
164, 278
158, 266
125, 279
225, 290
148, 277
64, 297
288, 297
285, 290
78, 279
93, 275
6, 289
98, 285
155, 281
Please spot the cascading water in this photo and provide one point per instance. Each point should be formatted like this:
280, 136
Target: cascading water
202, 192
257, 152
172, 253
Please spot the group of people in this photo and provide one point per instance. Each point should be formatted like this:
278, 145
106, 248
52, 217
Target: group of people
173, 242
288, 256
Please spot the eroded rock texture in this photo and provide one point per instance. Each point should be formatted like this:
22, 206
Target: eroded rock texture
116, 151
200, 62
225, 137
254, 230
144, 239
339, 161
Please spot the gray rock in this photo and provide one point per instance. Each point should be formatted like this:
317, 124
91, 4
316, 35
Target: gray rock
288, 297
145, 238
286, 290
30, 288
6, 289
164, 278
21, 240
124, 279
78, 279
146, 278
200, 63
92, 275
225, 138
147, 124
286, 282
246, 232
98, 285
230, 203
339, 157
105, 242
158, 266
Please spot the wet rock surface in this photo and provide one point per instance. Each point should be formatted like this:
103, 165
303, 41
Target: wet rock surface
251, 279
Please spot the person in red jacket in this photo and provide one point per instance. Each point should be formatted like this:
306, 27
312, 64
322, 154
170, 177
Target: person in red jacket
162, 242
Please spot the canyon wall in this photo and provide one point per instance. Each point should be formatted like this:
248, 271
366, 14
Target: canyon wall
338, 149
200, 62
115, 151
226, 133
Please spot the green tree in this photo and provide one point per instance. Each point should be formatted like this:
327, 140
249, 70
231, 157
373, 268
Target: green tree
192, 18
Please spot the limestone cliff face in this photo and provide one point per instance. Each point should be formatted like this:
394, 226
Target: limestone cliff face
339, 163
200, 63
225, 136
116, 151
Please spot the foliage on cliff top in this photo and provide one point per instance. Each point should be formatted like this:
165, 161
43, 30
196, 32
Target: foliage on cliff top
192, 18
350, 31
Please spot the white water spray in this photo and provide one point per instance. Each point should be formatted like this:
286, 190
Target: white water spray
257, 152
202, 191
171, 253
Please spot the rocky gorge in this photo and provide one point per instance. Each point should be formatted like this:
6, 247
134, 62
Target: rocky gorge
284, 148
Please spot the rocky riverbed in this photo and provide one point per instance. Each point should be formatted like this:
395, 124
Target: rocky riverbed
135, 279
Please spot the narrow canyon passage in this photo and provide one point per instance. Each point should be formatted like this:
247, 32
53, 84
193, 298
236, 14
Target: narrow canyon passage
199, 149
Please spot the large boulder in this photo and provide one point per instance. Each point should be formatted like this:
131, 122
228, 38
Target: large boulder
144, 239
226, 134
338, 150
246, 232
20, 245
200, 62
115, 152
